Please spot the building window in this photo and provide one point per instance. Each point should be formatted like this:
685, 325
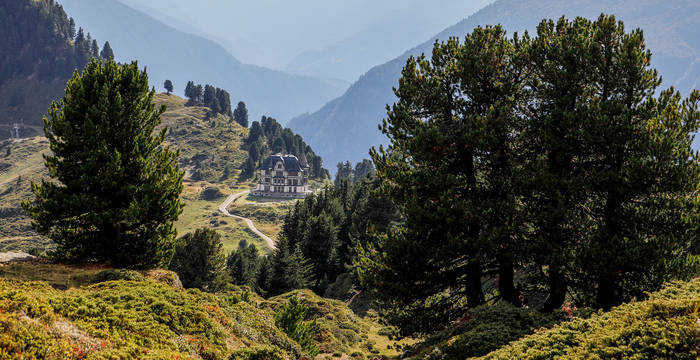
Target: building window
280, 173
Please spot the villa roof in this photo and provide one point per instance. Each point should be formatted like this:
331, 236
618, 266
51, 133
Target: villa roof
291, 163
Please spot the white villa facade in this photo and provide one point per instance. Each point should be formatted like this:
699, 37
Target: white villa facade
283, 176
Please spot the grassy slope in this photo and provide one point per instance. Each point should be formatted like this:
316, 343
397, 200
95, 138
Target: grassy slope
267, 214
130, 319
207, 144
148, 316
21, 163
666, 326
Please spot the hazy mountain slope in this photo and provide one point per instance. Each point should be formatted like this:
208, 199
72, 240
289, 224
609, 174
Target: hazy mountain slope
172, 54
37, 57
351, 57
346, 127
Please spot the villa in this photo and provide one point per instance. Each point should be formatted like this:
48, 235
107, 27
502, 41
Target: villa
283, 176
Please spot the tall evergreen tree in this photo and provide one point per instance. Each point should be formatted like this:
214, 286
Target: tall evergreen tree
224, 102
244, 265
256, 131
107, 52
448, 171
240, 115
94, 49
71, 31
209, 98
189, 91
289, 268
168, 85
197, 92
199, 260
115, 190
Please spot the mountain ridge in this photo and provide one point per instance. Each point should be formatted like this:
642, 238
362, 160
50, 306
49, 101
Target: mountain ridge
138, 36
346, 127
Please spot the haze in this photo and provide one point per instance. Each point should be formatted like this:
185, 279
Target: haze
272, 33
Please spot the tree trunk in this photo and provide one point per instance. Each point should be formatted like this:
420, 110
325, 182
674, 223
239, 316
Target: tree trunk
557, 289
475, 294
506, 286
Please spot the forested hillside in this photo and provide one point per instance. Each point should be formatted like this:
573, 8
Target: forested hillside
170, 53
214, 151
39, 49
346, 127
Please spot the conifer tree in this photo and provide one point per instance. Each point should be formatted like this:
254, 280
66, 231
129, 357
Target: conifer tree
448, 171
244, 265
290, 269
197, 93
71, 28
256, 131
94, 49
224, 100
168, 85
107, 52
115, 188
240, 115
189, 90
199, 260
209, 98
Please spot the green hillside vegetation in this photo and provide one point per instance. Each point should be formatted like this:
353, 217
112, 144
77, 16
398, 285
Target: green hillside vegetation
267, 214
108, 313
665, 326
211, 152
21, 163
41, 48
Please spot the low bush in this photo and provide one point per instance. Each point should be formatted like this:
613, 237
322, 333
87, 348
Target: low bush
663, 327
115, 274
211, 193
259, 353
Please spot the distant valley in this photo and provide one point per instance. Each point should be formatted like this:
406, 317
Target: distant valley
172, 54
346, 127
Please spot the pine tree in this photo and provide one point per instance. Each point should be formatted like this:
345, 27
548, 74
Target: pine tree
114, 194
189, 91
256, 131
107, 52
290, 269
209, 98
71, 28
199, 260
168, 85
248, 170
448, 173
244, 266
240, 115
224, 102
197, 93
94, 49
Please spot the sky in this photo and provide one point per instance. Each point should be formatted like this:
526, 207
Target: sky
271, 33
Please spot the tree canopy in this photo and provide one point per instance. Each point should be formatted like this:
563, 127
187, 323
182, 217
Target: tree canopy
549, 157
114, 189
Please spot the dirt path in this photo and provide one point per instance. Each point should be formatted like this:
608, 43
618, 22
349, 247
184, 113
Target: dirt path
249, 222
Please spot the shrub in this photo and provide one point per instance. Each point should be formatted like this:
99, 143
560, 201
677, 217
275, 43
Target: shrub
290, 319
113, 274
259, 353
211, 193
663, 327
486, 328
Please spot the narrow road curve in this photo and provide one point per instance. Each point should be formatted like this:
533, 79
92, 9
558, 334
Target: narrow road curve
231, 198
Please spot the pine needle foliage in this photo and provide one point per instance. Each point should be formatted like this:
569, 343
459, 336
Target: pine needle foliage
114, 189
